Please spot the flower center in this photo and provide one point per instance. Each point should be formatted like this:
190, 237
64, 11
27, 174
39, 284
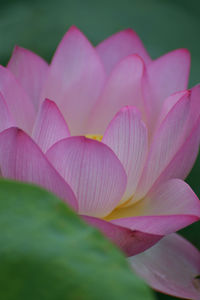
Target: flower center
94, 137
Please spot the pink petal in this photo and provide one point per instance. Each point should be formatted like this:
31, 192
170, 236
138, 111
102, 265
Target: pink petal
168, 105
123, 87
171, 267
93, 171
76, 77
193, 112
171, 197
17, 100
30, 70
156, 225
166, 142
50, 126
165, 76
6, 119
21, 159
131, 242
127, 136
120, 45
182, 162
166, 209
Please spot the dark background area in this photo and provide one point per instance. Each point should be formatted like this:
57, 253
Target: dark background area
163, 25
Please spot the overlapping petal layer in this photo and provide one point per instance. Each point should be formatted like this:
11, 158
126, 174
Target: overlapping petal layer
127, 136
166, 209
18, 102
172, 139
123, 87
75, 79
93, 171
163, 77
121, 45
49, 126
21, 159
130, 241
31, 72
6, 120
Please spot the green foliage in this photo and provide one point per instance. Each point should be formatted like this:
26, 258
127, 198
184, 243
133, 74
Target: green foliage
48, 253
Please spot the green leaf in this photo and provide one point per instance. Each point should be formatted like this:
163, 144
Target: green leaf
47, 252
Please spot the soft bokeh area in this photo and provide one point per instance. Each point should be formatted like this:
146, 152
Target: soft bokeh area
163, 25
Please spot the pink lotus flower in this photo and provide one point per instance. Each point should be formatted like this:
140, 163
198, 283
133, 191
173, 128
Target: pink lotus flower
115, 141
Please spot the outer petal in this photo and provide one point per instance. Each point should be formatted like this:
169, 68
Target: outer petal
21, 159
156, 225
171, 266
30, 70
165, 76
75, 79
166, 209
120, 45
129, 241
171, 197
166, 142
18, 102
93, 171
50, 126
123, 87
127, 136
6, 119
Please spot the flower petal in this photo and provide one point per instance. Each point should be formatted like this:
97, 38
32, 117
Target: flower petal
127, 136
30, 70
131, 242
166, 142
18, 102
171, 267
92, 170
21, 159
120, 45
166, 209
171, 197
168, 104
182, 162
194, 111
49, 126
165, 76
123, 87
156, 225
6, 119
75, 79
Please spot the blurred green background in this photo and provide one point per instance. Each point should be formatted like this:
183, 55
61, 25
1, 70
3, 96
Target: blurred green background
163, 25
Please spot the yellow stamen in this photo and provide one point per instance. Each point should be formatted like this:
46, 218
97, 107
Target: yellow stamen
94, 137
